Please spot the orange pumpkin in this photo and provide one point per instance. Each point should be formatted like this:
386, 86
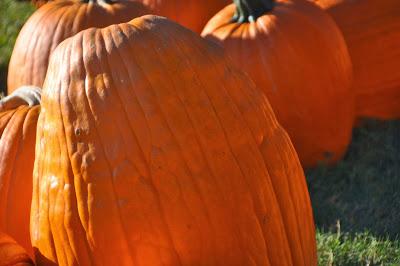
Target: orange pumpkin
371, 29
153, 150
294, 52
12, 254
39, 3
192, 14
17, 155
53, 23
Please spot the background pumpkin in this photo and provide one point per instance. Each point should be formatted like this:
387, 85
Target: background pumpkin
372, 32
12, 254
146, 124
39, 3
53, 23
17, 155
295, 53
192, 14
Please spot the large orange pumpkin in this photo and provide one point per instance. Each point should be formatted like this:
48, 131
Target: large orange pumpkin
12, 254
153, 150
372, 32
17, 155
192, 14
297, 56
53, 23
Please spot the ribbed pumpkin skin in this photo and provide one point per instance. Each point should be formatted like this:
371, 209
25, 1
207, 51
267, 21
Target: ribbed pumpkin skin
53, 23
192, 14
297, 56
372, 32
152, 150
11, 253
17, 156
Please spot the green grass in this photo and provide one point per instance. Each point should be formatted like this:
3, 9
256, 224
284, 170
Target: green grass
336, 248
362, 191
13, 14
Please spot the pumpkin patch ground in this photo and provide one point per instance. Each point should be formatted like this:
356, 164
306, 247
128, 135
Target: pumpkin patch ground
355, 202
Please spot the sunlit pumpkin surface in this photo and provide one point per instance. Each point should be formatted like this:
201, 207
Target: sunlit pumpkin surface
153, 150
17, 155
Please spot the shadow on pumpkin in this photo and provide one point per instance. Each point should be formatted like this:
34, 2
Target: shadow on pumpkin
40, 259
363, 190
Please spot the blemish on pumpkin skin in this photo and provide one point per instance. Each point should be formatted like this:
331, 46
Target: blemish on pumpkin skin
122, 202
265, 219
53, 182
78, 132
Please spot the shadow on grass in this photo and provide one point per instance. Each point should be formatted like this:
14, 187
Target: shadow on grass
363, 190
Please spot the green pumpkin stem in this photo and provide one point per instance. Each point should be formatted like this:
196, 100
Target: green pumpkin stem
250, 10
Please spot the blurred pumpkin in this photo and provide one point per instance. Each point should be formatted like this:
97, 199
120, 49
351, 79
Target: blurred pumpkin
295, 53
17, 155
371, 29
39, 3
192, 14
53, 23
153, 150
12, 254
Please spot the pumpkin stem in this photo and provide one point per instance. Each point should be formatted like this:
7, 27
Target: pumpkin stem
25, 95
250, 10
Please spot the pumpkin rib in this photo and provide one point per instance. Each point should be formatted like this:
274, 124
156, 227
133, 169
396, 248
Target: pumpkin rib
225, 133
226, 136
4, 118
202, 151
200, 86
271, 180
36, 44
297, 228
125, 114
105, 67
176, 142
213, 109
66, 116
16, 160
187, 168
289, 191
196, 185
150, 179
12, 131
49, 218
233, 101
69, 158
